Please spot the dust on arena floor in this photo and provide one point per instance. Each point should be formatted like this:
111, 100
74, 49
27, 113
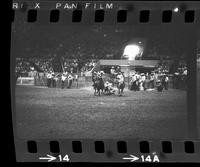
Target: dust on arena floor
77, 113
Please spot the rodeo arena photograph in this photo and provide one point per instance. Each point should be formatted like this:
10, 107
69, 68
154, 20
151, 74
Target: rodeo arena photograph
100, 82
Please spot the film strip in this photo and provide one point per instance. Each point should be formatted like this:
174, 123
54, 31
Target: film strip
105, 81
101, 10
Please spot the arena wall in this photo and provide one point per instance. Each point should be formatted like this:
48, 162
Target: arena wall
25, 81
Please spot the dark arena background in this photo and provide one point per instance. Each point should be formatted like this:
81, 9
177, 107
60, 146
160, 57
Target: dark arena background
50, 105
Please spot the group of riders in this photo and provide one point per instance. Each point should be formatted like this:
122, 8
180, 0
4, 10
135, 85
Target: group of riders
138, 81
100, 86
106, 87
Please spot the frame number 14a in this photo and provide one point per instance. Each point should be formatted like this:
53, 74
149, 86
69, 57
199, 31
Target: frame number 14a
143, 158
149, 158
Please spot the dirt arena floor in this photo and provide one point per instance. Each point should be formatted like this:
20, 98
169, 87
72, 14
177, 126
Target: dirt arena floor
77, 113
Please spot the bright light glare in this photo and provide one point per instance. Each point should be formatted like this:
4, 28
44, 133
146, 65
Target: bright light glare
176, 9
131, 51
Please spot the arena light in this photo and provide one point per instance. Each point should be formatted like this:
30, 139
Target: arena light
176, 9
131, 51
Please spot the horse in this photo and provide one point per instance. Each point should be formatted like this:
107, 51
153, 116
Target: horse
120, 86
98, 85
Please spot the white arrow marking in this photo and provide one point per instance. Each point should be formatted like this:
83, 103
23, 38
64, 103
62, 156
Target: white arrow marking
132, 158
49, 158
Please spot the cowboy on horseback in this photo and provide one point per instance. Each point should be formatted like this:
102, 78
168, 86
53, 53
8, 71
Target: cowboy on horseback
94, 75
98, 83
120, 83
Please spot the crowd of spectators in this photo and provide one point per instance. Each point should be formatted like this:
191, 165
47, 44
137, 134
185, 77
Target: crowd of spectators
22, 68
88, 66
43, 65
25, 67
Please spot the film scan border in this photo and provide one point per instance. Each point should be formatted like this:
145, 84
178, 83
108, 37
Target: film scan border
112, 150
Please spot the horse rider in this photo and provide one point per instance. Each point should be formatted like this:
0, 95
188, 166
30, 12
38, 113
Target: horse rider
118, 70
94, 75
112, 70
120, 83
100, 74
120, 77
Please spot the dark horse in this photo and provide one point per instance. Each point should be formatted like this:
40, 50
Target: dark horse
98, 85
